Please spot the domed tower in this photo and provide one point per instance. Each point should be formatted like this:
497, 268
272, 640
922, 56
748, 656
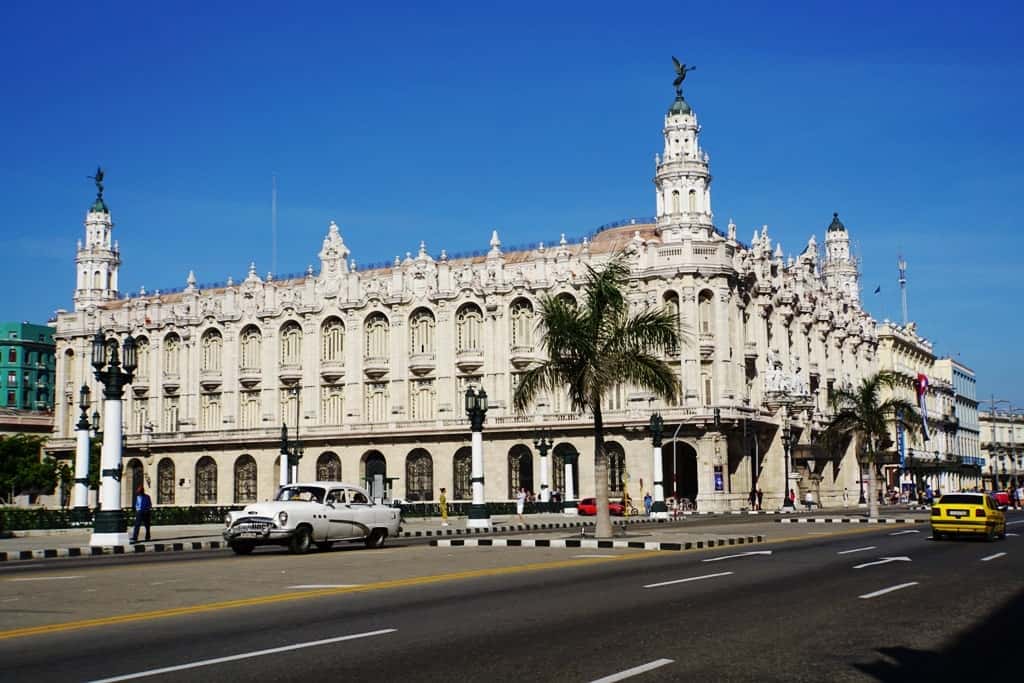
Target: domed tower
840, 267
682, 180
97, 260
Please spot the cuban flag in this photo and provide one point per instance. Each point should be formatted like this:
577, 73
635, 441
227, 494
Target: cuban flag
921, 385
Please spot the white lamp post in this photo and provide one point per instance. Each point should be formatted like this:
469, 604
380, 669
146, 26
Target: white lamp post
476, 410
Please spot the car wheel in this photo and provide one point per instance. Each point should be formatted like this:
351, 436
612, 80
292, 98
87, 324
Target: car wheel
990, 533
324, 546
242, 548
376, 538
1002, 534
937, 536
301, 541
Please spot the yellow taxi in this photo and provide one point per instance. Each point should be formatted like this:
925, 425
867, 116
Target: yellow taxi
958, 514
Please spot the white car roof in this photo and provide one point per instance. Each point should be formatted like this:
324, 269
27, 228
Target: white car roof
325, 484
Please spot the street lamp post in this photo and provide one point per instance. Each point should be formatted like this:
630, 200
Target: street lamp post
543, 445
860, 471
787, 439
476, 410
658, 508
109, 525
80, 498
569, 506
293, 452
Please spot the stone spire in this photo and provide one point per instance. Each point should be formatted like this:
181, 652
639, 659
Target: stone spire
97, 259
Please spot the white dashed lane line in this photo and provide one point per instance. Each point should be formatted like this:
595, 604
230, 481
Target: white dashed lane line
908, 531
47, 578
890, 589
856, 550
992, 557
687, 580
635, 671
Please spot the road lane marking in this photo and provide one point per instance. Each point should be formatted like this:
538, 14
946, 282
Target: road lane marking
635, 671
857, 550
992, 557
692, 578
1012, 534
47, 578
884, 560
326, 585
908, 531
890, 589
22, 566
1019, 521
588, 556
733, 557
244, 655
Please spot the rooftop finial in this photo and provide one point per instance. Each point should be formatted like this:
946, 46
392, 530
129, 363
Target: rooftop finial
836, 224
99, 205
681, 71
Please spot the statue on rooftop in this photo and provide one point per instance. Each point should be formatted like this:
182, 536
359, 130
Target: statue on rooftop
681, 71
98, 178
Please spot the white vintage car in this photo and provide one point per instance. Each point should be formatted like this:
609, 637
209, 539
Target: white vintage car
318, 513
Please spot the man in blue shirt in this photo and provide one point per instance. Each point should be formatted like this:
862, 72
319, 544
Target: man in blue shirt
143, 513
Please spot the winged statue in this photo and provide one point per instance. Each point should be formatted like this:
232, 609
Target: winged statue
681, 71
99, 180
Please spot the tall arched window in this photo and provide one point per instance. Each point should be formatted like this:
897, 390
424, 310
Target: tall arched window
376, 332
328, 467
248, 409
291, 344
332, 404
672, 306
419, 476
250, 343
558, 469
469, 323
676, 205
462, 473
142, 358
692, 200
616, 467
567, 299
332, 338
135, 477
421, 331
520, 470
165, 482
69, 367
212, 347
704, 303
245, 479
522, 323
172, 354
206, 481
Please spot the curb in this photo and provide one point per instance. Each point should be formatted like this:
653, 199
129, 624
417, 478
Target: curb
848, 520
593, 543
91, 551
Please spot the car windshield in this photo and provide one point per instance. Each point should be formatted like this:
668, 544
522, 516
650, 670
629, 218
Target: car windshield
961, 499
307, 494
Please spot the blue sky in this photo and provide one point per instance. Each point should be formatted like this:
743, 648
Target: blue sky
408, 121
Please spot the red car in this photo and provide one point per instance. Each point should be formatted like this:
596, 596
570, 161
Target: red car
588, 507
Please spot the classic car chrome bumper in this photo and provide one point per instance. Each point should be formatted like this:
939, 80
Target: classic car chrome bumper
262, 534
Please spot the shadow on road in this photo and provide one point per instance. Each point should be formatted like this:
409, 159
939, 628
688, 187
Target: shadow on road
988, 650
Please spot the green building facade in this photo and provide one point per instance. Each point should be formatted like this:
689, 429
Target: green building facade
27, 366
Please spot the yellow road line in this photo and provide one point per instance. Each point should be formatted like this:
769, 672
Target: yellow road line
381, 585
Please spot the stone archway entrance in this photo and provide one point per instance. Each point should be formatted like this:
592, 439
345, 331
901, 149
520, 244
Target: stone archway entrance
679, 471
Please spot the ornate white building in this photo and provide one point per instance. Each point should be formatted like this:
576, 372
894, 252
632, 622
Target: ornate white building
372, 364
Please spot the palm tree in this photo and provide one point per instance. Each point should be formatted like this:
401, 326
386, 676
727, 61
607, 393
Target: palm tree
861, 413
591, 348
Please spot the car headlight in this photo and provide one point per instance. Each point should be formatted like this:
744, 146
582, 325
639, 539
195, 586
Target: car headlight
227, 520
282, 517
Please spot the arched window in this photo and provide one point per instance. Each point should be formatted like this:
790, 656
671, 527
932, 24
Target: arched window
376, 331
676, 206
328, 467
250, 342
462, 471
291, 344
165, 482
245, 479
558, 469
172, 353
332, 338
97, 282
672, 306
616, 467
520, 470
332, 404
704, 302
567, 299
419, 476
421, 331
142, 357
135, 478
206, 481
212, 346
469, 323
692, 200
522, 323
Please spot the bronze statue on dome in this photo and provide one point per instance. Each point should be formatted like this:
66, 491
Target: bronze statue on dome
681, 71
98, 178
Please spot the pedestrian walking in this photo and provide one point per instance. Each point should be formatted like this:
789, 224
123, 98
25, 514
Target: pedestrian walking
521, 503
809, 501
760, 497
442, 503
648, 503
846, 496
792, 497
752, 499
143, 513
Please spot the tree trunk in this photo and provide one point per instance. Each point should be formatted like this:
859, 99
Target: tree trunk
603, 524
872, 482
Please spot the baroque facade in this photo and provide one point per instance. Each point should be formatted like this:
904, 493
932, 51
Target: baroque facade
371, 365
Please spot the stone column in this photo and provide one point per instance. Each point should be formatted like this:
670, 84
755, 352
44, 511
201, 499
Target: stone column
80, 498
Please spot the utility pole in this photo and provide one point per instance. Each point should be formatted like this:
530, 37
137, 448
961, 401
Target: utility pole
901, 263
273, 224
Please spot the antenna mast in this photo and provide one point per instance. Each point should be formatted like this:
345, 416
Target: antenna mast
273, 223
901, 263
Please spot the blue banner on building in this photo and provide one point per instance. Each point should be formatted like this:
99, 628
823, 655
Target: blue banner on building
901, 442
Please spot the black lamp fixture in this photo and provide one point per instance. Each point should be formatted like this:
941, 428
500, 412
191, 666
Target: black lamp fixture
476, 408
787, 439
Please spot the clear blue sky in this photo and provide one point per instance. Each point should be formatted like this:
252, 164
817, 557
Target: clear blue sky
411, 121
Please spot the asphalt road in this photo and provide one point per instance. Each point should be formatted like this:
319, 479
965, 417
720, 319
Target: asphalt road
870, 604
